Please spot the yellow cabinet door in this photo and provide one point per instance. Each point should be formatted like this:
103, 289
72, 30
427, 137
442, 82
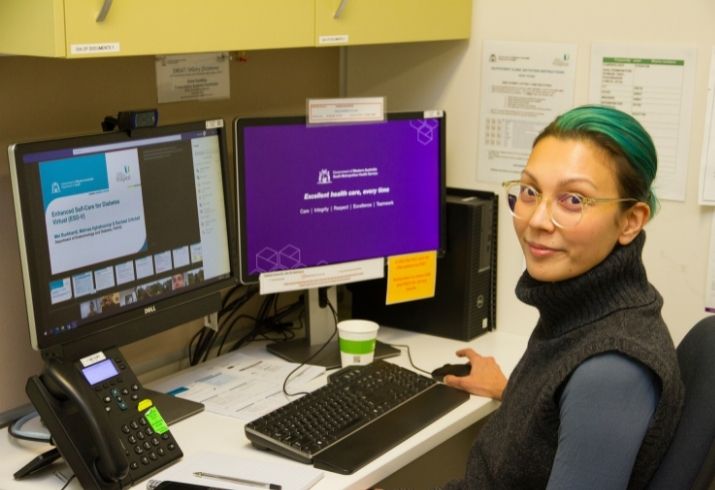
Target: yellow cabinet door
133, 27
390, 21
32, 27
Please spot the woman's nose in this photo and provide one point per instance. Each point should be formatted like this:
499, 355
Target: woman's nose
541, 218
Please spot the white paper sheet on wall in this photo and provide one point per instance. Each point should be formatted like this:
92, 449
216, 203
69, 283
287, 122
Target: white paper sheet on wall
706, 185
524, 87
710, 285
655, 85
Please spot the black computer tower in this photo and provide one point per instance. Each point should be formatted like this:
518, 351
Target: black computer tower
464, 305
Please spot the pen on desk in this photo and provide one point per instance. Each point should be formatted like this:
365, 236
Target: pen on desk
253, 483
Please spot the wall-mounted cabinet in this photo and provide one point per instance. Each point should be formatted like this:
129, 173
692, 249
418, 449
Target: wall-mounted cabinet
85, 28
70, 28
353, 22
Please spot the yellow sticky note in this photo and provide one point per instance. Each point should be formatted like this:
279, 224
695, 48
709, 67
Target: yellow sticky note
411, 277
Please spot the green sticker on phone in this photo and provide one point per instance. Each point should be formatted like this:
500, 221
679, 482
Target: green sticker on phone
156, 421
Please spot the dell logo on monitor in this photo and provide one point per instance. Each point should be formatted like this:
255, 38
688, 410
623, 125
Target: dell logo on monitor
150, 309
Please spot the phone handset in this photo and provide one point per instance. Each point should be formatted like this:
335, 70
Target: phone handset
111, 463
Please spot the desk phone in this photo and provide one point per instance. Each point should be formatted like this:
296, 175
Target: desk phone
102, 421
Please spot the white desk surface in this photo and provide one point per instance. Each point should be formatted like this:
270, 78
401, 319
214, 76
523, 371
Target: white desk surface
215, 433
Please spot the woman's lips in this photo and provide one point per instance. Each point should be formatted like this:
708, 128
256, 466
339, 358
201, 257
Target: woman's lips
538, 250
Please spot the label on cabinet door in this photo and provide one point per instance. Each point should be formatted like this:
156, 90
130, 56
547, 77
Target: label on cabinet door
333, 39
94, 48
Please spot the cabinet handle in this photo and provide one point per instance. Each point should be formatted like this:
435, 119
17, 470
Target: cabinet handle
340, 8
104, 10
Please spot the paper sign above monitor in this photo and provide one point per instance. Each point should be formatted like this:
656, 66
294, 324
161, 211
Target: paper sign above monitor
335, 111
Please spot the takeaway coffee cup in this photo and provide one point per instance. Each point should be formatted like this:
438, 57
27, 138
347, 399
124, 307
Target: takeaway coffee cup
357, 341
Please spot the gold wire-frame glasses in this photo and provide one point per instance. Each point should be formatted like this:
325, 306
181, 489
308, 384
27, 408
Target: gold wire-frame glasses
523, 199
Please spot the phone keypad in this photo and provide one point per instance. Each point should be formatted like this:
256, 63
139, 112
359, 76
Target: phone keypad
144, 446
146, 450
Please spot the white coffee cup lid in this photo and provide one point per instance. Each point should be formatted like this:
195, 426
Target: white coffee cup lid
358, 326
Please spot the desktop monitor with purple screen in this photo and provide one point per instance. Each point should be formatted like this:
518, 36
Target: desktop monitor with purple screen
311, 195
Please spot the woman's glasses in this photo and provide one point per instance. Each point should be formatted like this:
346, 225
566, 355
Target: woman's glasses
565, 210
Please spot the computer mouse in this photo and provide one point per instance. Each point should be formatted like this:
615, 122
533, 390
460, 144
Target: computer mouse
455, 369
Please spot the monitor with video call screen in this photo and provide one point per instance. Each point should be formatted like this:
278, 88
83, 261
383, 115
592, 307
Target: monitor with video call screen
122, 235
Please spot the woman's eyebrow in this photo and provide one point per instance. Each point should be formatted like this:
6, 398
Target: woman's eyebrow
564, 182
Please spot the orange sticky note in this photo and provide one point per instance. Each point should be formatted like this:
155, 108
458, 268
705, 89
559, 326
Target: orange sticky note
411, 277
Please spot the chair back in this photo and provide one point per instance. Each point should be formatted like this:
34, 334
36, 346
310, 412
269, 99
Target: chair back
690, 460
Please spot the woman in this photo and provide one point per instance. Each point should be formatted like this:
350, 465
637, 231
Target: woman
595, 399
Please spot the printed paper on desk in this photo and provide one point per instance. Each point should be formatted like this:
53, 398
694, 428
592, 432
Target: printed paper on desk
238, 385
411, 277
290, 475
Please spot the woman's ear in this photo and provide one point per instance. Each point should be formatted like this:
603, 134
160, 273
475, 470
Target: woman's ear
633, 221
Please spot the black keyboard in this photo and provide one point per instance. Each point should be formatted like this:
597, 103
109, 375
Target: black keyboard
360, 414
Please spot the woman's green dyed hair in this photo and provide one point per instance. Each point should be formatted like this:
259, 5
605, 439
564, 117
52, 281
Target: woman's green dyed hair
622, 137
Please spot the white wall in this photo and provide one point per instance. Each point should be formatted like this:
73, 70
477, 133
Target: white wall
447, 75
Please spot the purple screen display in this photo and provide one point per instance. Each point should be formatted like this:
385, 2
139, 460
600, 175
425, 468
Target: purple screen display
323, 195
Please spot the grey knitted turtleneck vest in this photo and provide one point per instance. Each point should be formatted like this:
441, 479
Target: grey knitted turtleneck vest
612, 307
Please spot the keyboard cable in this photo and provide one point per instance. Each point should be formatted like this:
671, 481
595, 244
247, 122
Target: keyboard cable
322, 347
327, 342
409, 357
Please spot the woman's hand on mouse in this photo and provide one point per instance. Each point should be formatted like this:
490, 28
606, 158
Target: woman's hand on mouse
485, 379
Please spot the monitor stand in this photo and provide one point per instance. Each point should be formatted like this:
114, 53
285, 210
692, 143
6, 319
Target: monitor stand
299, 350
320, 328
174, 409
